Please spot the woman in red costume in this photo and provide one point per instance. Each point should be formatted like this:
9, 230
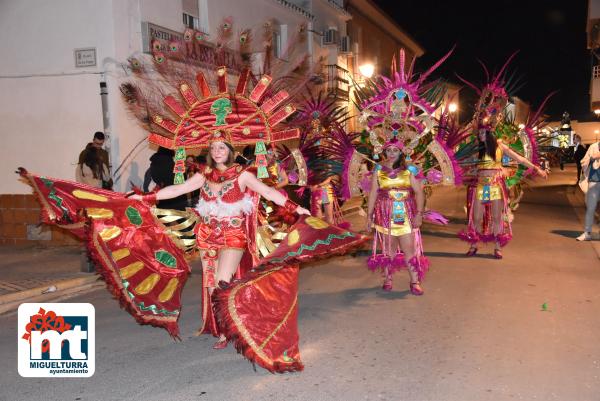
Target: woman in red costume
395, 211
227, 193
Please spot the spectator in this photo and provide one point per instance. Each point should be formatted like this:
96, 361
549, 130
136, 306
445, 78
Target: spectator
161, 170
590, 184
98, 143
579, 150
92, 170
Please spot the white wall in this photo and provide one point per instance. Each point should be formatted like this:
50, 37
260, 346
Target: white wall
46, 121
127, 17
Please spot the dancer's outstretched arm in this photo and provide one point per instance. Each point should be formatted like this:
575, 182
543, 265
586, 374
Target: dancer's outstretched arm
172, 191
522, 160
249, 180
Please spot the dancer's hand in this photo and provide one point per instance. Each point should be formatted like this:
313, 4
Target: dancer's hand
300, 211
135, 197
418, 220
542, 173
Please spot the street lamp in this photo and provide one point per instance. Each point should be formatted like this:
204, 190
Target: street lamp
452, 107
366, 70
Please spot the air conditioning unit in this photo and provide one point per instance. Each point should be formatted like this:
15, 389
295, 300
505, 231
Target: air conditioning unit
331, 37
345, 45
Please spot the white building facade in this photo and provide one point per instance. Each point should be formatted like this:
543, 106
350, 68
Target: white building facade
50, 82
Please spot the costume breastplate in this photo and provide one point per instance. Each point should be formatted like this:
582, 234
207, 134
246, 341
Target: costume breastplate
393, 179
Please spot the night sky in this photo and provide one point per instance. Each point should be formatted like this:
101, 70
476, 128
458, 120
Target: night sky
550, 35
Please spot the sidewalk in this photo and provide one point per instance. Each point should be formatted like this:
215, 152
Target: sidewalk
33, 273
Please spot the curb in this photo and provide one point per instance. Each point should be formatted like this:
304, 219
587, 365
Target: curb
10, 302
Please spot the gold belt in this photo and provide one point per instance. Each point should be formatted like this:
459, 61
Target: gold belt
398, 195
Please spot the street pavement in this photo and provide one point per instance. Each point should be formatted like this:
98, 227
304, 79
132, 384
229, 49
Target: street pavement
480, 332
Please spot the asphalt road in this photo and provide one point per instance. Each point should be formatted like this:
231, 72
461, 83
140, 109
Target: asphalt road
478, 333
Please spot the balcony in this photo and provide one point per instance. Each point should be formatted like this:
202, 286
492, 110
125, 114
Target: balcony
298, 8
337, 81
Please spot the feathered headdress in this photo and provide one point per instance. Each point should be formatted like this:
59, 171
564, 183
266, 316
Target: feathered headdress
183, 109
401, 108
493, 97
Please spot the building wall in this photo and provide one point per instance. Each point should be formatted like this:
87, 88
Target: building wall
375, 45
376, 40
46, 120
519, 110
49, 109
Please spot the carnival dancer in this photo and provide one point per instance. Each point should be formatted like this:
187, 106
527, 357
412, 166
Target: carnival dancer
488, 197
278, 177
142, 251
319, 116
400, 119
322, 200
395, 211
226, 198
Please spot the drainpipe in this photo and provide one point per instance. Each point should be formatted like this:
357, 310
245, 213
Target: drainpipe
310, 42
106, 118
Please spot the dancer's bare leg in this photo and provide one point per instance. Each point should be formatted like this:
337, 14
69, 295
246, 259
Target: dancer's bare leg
478, 210
203, 262
328, 212
391, 248
318, 209
498, 224
407, 244
227, 264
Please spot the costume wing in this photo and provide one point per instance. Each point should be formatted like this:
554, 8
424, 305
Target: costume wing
259, 313
143, 267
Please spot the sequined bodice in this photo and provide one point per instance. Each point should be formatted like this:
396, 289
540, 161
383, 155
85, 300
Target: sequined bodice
221, 196
229, 192
397, 180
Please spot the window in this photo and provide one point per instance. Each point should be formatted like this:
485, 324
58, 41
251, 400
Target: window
190, 21
276, 43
